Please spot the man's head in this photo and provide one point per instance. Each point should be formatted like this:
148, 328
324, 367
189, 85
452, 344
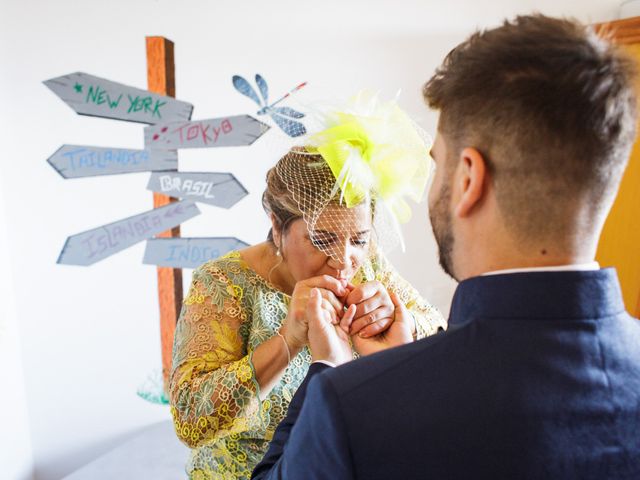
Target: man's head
537, 118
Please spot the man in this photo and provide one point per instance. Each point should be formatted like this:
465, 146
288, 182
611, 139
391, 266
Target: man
538, 375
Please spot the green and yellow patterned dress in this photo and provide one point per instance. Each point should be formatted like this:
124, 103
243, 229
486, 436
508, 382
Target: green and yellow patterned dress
229, 311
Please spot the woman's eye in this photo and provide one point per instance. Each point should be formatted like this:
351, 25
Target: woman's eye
361, 242
321, 241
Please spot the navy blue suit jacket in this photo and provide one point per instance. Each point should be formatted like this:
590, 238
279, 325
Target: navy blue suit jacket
537, 377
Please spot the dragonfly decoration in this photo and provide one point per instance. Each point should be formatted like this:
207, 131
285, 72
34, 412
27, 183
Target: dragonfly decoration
285, 117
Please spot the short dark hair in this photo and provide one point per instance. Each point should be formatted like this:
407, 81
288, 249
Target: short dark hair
550, 106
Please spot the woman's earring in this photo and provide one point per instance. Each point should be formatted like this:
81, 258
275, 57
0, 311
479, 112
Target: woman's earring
277, 252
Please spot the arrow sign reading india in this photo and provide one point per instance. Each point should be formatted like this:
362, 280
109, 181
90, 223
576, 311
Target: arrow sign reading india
93, 245
219, 189
73, 161
97, 97
236, 131
188, 252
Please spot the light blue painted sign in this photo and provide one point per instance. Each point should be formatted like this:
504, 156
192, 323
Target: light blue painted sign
235, 131
188, 252
98, 97
94, 245
74, 161
219, 189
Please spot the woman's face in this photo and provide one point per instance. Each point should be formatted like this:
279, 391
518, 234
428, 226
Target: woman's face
343, 233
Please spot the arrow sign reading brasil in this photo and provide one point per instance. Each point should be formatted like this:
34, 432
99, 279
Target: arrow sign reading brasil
93, 245
219, 189
235, 131
188, 252
73, 161
97, 97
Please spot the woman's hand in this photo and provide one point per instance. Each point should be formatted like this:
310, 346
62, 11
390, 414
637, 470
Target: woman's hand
374, 309
328, 342
399, 332
295, 326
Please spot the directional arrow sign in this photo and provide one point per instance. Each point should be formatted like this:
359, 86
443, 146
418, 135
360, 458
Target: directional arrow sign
236, 131
73, 161
219, 189
93, 245
97, 97
188, 252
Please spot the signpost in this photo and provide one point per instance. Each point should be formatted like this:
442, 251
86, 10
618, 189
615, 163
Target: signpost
97, 97
188, 252
235, 131
94, 245
75, 161
219, 189
170, 129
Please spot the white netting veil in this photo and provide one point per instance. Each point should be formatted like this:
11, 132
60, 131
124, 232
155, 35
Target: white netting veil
349, 178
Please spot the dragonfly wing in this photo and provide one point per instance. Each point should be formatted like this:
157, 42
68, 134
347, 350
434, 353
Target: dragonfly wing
264, 88
244, 88
288, 112
288, 126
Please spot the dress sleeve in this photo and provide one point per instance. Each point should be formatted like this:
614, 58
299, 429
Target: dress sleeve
213, 390
427, 317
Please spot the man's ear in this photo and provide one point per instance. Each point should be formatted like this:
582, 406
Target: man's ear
471, 177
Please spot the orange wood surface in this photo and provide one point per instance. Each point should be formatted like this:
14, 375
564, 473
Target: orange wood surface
620, 240
161, 79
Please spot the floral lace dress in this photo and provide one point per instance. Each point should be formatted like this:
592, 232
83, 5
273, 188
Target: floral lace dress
215, 403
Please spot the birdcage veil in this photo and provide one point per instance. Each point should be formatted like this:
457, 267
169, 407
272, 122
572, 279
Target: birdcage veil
352, 174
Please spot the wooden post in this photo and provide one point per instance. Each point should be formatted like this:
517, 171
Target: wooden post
161, 79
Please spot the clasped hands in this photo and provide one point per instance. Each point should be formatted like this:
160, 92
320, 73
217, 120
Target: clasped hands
330, 314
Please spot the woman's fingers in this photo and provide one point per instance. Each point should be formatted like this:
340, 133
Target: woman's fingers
333, 301
347, 318
362, 292
329, 310
328, 283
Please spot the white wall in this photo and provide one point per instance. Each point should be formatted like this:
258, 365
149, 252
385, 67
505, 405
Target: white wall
16, 459
89, 336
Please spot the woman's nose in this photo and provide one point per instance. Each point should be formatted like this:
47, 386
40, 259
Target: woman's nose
339, 258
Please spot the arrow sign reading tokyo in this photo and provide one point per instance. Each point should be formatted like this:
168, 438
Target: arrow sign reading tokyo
73, 161
93, 245
219, 189
188, 252
236, 131
97, 97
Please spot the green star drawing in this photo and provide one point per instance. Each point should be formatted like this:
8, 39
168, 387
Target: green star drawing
78, 87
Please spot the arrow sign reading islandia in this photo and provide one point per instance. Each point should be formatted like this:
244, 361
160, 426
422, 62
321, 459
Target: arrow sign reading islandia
219, 189
91, 246
188, 252
235, 131
97, 97
74, 161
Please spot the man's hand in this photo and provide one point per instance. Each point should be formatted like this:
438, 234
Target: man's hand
327, 341
399, 333
374, 308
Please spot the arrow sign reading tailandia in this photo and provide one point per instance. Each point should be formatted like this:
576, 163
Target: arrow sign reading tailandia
235, 131
97, 97
219, 189
93, 245
74, 161
188, 252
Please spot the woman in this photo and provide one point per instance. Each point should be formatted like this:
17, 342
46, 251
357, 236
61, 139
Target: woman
240, 347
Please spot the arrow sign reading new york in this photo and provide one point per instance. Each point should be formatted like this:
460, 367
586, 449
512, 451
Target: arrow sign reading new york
97, 97
236, 131
93, 245
188, 252
73, 161
219, 189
